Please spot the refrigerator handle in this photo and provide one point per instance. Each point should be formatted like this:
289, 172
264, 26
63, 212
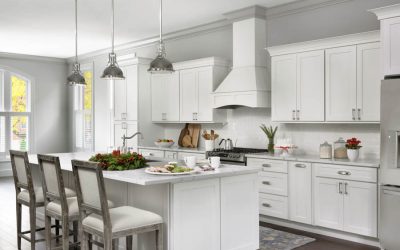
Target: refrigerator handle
396, 148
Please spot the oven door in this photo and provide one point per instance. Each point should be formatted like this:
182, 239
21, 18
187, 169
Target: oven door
238, 163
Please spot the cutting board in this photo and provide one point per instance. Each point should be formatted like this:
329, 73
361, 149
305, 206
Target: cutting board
194, 132
184, 132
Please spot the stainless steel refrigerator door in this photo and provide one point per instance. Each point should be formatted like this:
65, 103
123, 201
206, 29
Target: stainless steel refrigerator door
390, 132
389, 225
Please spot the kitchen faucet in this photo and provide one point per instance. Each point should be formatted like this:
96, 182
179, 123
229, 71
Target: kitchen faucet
124, 138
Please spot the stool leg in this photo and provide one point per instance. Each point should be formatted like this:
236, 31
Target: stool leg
129, 242
32, 218
19, 215
108, 242
57, 229
48, 232
159, 238
65, 233
115, 243
89, 237
75, 232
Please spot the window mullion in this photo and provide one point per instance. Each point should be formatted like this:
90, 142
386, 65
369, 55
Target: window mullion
7, 91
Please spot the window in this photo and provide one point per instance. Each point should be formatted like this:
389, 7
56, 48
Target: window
15, 112
83, 112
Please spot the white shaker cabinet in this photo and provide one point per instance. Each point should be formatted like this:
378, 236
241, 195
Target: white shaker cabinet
165, 97
300, 190
341, 83
125, 95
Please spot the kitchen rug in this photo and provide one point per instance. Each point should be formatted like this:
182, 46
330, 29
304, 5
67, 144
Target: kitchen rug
271, 239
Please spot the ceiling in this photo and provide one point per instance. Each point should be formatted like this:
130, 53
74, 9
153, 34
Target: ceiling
46, 27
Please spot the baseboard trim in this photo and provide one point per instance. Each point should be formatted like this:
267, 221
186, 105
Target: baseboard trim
323, 231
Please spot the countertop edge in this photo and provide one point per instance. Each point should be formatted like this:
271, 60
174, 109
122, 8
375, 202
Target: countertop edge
189, 150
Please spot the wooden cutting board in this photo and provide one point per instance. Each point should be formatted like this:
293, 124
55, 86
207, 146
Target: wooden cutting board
184, 132
194, 132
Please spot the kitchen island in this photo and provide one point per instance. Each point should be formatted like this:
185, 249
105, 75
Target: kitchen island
215, 210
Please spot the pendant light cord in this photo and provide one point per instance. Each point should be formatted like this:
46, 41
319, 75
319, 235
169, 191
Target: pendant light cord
161, 40
112, 21
76, 31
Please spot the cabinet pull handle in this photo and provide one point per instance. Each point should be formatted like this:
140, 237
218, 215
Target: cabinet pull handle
195, 116
353, 111
266, 205
293, 114
359, 114
266, 165
123, 116
340, 188
266, 183
297, 114
164, 116
344, 172
345, 188
300, 165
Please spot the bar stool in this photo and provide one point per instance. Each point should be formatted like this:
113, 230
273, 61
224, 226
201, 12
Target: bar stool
108, 223
28, 195
57, 204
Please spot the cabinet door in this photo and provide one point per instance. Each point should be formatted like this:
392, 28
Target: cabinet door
131, 75
239, 212
119, 98
165, 97
300, 208
311, 86
328, 203
196, 215
158, 98
368, 82
205, 88
360, 208
283, 88
131, 128
341, 83
172, 96
391, 45
189, 102
119, 129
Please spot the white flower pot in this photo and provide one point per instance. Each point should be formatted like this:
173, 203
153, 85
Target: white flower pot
209, 145
353, 154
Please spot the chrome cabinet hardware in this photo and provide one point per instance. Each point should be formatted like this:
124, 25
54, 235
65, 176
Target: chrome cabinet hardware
345, 188
340, 188
293, 114
344, 172
123, 116
266, 165
359, 114
297, 114
266, 183
266, 205
353, 111
195, 116
298, 165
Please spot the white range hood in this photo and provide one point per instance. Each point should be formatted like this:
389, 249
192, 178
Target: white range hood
247, 84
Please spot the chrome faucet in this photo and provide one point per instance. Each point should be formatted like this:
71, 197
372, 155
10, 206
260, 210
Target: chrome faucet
124, 138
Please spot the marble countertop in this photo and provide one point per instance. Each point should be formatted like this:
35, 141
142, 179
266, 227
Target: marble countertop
176, 148
139, 177
373, 163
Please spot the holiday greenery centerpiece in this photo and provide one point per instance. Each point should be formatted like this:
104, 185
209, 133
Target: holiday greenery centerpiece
119, 161
270, 132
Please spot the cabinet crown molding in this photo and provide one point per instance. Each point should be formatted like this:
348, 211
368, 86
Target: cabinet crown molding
387, 11
202, 62
325, 43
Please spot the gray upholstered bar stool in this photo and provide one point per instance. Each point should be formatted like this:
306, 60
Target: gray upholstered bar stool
108, 223
28, 195
57, 204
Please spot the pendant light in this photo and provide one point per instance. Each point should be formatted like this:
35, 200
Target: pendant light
76, 77
112, 71
160, 64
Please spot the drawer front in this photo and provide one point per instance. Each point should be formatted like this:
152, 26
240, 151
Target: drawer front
171, 155
153, 153
269, 165
274, 206
346, 172
273, 183
182, 155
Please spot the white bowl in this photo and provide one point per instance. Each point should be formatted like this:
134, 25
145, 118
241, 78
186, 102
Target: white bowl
164, 144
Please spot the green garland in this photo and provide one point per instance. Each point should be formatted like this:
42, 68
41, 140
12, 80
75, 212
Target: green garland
119, 161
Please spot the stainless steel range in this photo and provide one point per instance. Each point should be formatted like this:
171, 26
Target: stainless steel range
235, 155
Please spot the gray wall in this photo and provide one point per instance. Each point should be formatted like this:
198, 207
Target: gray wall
50, 101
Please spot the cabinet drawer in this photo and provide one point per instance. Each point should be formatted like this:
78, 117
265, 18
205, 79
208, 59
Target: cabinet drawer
269, 165
273, 205
172, 155
346, 172
182, 155
273, 183
153, 153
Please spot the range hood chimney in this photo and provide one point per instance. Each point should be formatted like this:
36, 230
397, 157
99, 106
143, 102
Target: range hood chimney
247, 84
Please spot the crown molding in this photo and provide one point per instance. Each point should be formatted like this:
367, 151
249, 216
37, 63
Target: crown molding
32, 57
387, 11
255, 11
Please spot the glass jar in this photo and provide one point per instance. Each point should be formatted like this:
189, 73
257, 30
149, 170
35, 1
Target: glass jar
325, 151
339, 149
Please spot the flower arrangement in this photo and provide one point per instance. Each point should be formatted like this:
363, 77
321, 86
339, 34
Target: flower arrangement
270, 132
119, 161
353, 143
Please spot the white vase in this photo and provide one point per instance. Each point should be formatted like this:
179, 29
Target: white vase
209, 145
353, 154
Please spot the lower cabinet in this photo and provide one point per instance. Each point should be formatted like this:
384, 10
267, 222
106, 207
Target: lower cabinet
300, 192
274, 205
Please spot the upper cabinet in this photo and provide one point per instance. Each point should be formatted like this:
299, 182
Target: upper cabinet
390, 37
328, 80
125, 95
185, 95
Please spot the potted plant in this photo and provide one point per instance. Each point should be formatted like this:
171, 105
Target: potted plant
270, 132
353, 146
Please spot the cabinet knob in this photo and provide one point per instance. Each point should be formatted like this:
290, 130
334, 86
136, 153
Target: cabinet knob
266, 205
266, 183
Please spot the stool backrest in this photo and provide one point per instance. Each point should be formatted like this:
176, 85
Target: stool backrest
90, 190
52, 179
21, 170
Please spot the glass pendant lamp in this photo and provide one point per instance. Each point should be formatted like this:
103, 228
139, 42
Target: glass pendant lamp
76, 77
160, 64
112, 71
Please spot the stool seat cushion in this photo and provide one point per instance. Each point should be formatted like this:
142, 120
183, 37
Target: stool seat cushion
123, 218
24, 194
73, 208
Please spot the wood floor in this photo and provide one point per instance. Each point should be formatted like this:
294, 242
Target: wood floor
8, 238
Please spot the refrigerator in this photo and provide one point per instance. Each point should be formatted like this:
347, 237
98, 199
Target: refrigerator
389, 172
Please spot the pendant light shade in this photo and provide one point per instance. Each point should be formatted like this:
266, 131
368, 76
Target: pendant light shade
160, 64
76, 77
112, 71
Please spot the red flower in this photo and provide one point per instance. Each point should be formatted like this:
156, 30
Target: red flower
116, 153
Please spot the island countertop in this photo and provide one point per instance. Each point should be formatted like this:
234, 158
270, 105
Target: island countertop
140, 177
